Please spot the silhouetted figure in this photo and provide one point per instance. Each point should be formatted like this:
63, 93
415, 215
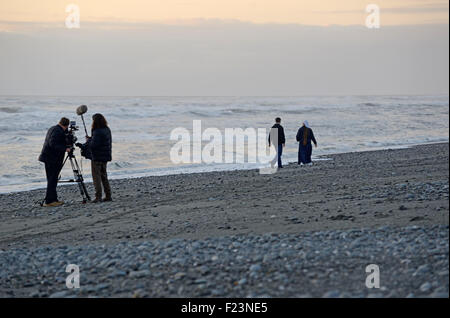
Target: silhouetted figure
280, 143
304, 136
52, 155
100, 145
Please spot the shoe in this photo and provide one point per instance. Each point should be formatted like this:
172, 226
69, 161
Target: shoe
53, 204
310, 164
107, 199
96, 200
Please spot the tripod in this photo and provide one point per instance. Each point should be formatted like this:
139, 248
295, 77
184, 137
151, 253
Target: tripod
78, 176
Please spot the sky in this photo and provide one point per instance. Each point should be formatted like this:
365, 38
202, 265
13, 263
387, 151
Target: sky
310, 12
223, 47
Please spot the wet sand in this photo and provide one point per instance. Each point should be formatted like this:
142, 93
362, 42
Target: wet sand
353, 190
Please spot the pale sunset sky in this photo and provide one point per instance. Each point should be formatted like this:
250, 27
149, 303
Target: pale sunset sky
311, 12
223, 47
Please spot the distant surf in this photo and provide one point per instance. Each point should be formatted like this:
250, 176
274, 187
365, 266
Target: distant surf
141, 128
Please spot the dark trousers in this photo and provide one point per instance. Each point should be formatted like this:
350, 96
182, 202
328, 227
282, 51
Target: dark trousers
304, 153
100, 176
52, 171
279, 154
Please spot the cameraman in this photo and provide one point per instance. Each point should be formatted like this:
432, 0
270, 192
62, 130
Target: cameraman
52, 156
100, 145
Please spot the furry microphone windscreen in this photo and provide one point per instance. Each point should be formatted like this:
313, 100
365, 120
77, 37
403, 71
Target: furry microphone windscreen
82, 110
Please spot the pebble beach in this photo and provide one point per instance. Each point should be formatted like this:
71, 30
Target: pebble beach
302, 232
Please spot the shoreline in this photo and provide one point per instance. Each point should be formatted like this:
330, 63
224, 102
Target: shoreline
169, 173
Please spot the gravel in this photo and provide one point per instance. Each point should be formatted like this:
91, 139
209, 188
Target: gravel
413, 262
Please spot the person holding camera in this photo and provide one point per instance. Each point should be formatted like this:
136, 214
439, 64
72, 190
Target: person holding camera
100, 146
52, 155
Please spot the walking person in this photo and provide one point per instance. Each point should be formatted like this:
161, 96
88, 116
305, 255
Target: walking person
280, 143
100, 145
52, 155
304, 136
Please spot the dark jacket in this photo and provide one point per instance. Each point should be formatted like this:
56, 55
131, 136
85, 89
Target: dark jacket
281, 137
101, 145
309, 137
54, 146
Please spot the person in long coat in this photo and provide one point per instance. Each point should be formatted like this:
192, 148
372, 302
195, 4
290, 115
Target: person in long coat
304, 137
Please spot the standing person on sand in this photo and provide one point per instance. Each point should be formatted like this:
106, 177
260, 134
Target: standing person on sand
304, 136
100, 145
280, 143
52, 155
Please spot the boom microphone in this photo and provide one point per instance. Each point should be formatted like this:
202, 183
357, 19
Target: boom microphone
82, 110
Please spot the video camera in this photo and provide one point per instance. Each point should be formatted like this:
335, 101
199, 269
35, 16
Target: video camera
71, 139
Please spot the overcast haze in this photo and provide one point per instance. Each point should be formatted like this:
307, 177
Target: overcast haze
201, 49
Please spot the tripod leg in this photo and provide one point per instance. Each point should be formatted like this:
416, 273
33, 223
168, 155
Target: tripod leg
85, 191
62, 166
79, 179
83, 186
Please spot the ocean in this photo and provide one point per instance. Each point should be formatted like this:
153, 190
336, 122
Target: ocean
141, 128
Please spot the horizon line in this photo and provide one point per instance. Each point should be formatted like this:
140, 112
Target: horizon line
190, 96
200, 21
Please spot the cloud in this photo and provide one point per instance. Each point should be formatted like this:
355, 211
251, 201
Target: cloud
424, 8
218, 58
435, 7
